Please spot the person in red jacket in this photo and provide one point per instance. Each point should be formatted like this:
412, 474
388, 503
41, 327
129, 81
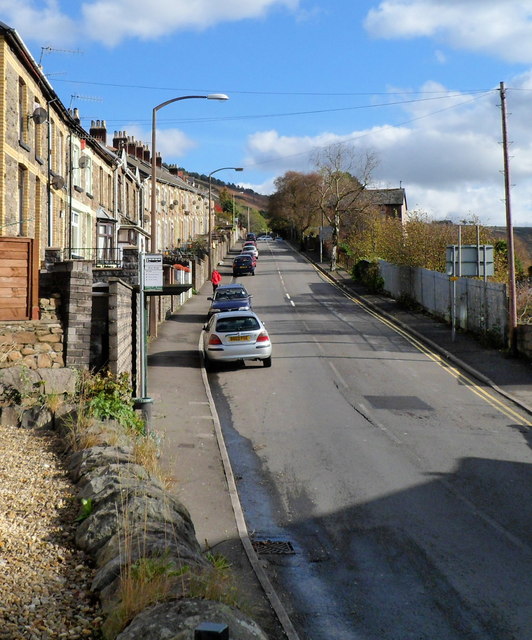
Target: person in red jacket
216, 278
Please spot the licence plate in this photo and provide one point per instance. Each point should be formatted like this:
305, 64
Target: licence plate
239, 338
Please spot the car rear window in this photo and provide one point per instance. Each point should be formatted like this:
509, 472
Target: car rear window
233, 294
243, 259
227, 325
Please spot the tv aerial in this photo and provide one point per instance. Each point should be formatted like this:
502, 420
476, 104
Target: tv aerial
75, 96
47, 50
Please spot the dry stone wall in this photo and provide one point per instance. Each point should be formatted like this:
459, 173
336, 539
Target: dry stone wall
35, 344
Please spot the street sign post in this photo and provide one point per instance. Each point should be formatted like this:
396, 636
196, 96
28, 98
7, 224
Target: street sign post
153, 271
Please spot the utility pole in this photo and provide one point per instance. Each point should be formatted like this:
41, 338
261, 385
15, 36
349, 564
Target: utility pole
512, 298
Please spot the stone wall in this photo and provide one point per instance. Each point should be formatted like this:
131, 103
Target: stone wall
35, 344
524, 340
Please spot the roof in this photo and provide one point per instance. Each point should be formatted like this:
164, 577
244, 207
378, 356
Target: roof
387, 196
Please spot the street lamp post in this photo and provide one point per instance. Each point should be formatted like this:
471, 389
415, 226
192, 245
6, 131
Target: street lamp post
153, 208
211, 96
210, 212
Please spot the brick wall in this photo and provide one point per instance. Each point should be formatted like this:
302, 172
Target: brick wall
122, 330
73, 279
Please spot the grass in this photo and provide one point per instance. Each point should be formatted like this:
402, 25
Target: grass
144, 580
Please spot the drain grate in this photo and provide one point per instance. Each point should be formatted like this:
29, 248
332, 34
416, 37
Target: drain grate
277, 547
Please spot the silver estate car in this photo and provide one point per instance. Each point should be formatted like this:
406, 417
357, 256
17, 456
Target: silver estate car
230, 336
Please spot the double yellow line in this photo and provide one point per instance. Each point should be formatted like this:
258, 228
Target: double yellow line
458, 375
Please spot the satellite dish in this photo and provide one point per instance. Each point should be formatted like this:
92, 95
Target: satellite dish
83, 161
39, 115
58, 182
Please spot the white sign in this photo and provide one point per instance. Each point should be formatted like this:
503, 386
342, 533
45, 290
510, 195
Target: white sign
153, 271
470, 260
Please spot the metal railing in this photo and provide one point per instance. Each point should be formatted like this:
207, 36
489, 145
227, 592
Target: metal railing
101, 257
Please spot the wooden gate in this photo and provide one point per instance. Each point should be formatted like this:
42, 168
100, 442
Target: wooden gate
19, 295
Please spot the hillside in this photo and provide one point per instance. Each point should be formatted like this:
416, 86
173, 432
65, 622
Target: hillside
246, 197
522, 243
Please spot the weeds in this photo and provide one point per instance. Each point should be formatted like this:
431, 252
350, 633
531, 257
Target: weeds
86, 509
110, 397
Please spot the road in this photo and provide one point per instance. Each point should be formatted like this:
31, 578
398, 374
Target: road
391, 493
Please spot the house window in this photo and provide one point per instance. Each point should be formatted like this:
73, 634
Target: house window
37, 137
52, 155
60, 153
74, 233
101, 191
105, 241
22, 204
76, 173
22, 112
119, 193
88, 175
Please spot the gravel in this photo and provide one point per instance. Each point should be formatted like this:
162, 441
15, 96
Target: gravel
44, 579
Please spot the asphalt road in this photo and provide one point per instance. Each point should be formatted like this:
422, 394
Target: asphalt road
390, 494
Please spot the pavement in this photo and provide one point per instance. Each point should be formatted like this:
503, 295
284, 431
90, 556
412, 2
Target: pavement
193, 451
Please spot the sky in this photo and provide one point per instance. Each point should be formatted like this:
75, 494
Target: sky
416, 83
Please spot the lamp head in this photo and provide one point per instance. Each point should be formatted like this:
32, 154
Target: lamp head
217, 96
239, 168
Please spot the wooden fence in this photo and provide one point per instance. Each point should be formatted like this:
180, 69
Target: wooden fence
19, 291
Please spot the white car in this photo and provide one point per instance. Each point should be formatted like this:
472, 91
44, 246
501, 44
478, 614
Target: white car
230, 336
250, 248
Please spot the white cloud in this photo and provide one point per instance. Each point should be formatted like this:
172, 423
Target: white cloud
500, 29
173, 143
449, 160
111, 21
170, 143
44, 24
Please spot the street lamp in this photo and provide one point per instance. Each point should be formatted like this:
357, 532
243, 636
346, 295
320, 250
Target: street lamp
210, 213
211, 96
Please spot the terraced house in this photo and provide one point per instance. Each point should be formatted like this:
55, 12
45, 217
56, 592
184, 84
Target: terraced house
75, 211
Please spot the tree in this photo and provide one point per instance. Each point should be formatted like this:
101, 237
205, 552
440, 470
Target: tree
344, 175
295, 204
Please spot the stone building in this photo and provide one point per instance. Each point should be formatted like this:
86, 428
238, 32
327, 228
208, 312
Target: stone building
68, 197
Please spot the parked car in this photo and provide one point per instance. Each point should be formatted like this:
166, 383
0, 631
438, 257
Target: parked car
253, 257
243, 264
229, 297
230, 336
249, 248
264, 238
251, 236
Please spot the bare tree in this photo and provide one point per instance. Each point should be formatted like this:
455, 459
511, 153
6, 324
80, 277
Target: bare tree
345, 173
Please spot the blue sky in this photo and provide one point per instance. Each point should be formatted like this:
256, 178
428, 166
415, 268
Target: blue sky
415, 82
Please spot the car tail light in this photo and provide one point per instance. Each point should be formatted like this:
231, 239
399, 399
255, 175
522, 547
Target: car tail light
214, 339
263, 337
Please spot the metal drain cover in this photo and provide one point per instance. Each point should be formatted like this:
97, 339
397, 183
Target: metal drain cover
277, 547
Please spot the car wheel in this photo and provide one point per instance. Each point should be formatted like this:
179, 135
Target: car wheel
267, 362
234, 274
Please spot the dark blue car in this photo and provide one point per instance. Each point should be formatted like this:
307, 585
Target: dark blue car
230, 297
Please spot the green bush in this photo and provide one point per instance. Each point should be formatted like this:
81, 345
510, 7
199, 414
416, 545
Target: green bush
110, 397
368, 274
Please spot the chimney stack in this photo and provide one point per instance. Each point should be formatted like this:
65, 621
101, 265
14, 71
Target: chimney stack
98, 131
119, 140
